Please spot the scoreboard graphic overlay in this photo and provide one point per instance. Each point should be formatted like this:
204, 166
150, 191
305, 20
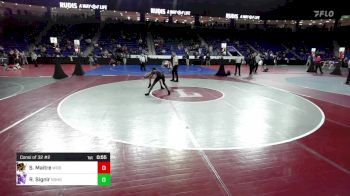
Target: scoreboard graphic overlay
63, 169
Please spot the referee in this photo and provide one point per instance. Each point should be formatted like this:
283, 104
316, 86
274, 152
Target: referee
175, 62
142, 62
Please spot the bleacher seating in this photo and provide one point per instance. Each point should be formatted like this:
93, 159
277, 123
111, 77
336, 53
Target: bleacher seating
19, 34
131, 37
66, 34
175, 40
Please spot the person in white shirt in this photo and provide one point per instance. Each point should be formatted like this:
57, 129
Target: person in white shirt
275, 60
142, 62
175, 63
125, 56
34, 57
348, 79
187, 58
23, 57
257, 60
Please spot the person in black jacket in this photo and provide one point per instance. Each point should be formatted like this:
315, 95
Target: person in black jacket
238, 65
251, 63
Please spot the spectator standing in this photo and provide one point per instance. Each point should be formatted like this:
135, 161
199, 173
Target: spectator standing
207, 59
3, 59
238, 65
17, 60
202, 58
125, 57
318, 63
257, 60
34, 58
309, 60
187, 58
275, 60
24, 59
251, 62
92, 60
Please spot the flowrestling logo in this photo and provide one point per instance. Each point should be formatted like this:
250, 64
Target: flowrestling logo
324, 13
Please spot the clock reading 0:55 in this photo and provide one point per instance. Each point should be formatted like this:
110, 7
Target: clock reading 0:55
101, 157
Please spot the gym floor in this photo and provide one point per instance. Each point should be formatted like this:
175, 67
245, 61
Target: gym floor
283, 132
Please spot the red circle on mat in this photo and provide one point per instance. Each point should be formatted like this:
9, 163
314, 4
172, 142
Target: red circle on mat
188, 94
